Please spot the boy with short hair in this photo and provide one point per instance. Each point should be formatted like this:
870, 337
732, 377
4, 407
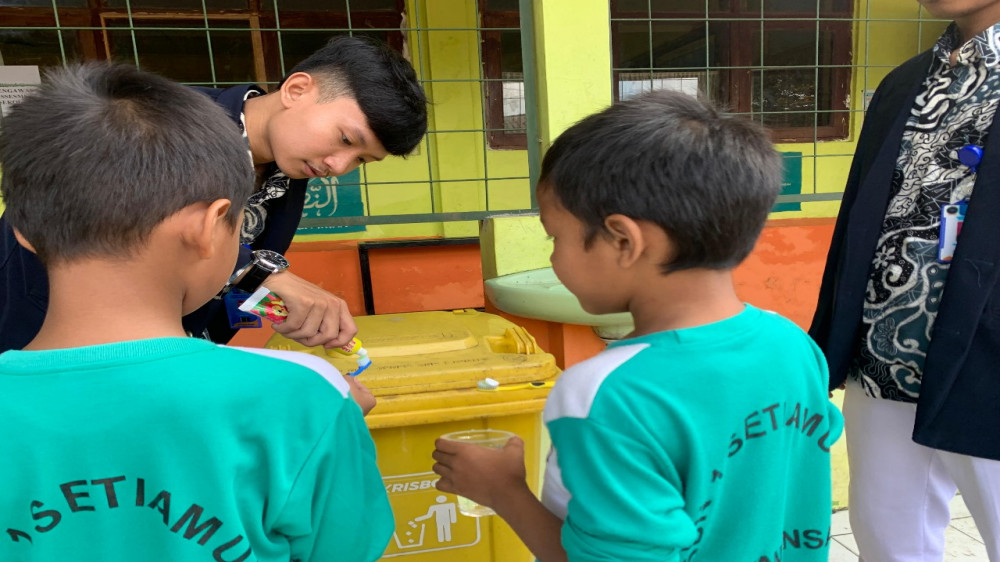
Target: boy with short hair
353, 101
125, 439
705, 434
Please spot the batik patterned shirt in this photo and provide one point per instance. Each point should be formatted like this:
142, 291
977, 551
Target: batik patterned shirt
274, 185
907, 277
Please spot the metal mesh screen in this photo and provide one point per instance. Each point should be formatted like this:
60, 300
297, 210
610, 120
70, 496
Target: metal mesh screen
472, 163
803, 68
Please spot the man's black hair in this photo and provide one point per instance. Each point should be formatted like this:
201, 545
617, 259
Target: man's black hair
382, 82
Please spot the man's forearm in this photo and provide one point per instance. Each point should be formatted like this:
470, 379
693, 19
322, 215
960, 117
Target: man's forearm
538, 528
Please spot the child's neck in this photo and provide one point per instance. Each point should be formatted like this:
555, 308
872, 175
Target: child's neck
94, 302
685, 299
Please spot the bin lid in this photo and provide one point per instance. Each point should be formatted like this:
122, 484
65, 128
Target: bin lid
436, 351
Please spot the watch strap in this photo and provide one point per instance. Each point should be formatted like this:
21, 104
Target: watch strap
253, 277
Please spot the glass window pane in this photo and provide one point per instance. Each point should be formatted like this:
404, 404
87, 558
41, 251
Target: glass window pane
801, 7
804, 6
502, 6
788, 98
510, 49
660, 7
674, 45
514, 117
640, 6
178, 4
44, 3
183, 54
233, 56
512, 73
682, 54
631, 45
699, 6
789, 47
336, 6
37, 47
370, 5
631, 84
332, 6
299, 44
680, 45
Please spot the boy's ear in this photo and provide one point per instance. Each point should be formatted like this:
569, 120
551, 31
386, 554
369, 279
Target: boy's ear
207, 225
23, 241
626, 236
295, 87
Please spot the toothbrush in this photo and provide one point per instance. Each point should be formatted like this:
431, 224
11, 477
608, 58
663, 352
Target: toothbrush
492, 385
353, 347
363, 362
268, 305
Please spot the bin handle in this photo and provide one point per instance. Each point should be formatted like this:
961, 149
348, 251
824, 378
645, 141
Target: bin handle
492, 385
514, 340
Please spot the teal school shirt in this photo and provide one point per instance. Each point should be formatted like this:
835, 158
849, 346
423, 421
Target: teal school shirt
179, 449
709, 443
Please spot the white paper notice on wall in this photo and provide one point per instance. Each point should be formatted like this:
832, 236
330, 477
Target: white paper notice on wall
15, 83
869, 94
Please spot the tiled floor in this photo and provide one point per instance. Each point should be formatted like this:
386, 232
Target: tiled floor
962, 540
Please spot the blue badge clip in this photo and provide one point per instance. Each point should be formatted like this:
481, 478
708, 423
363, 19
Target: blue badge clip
970, 155
237, 318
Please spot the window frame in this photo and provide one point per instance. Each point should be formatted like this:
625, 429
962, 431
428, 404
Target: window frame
197, 19
737, 52
94, 43
498, 137
741, 79
30, 16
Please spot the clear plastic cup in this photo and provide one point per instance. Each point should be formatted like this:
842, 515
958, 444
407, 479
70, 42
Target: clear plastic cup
491, 438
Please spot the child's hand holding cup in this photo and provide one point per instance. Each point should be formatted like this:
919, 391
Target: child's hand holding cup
479, 465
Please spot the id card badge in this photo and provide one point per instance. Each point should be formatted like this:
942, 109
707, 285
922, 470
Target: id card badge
237, 318
952, 217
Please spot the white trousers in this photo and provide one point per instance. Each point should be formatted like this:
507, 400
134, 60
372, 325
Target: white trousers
900, 491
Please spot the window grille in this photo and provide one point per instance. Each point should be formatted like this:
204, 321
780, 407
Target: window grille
803, 68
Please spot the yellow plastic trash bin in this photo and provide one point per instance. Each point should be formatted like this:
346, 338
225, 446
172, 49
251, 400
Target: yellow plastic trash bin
425, 370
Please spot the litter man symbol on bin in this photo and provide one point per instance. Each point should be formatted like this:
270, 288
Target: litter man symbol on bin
427, 520
444, 514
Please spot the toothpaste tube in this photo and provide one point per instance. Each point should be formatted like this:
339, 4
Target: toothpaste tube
353, 347
349, 348
265, 304
268, 305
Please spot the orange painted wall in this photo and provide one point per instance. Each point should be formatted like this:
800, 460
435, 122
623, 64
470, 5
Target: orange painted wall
782, 274
406, 279
784, 271
333, 266
413, 279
